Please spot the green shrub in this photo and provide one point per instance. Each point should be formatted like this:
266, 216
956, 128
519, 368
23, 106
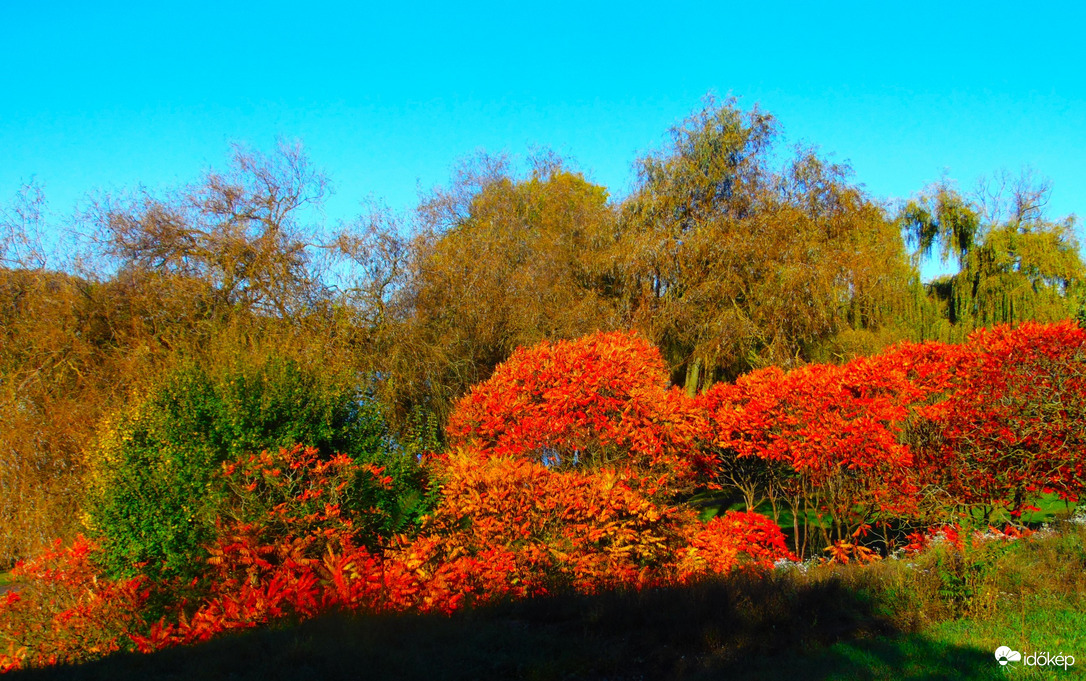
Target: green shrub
157, 490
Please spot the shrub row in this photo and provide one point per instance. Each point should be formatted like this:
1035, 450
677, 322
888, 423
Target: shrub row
913, 436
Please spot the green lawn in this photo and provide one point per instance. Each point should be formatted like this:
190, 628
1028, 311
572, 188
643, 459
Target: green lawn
1051, 507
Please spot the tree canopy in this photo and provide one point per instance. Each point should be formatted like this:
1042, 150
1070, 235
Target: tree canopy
732, 263
1014, 264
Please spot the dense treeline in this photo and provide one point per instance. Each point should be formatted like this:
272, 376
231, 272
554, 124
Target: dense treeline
731, 254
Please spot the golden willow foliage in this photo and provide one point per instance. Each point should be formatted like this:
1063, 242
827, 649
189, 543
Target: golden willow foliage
1014, 264
724, 261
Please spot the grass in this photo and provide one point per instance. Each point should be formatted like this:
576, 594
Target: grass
939, 615
737, 628
1051, 508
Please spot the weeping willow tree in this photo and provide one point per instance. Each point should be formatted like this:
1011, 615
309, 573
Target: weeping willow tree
1013, 264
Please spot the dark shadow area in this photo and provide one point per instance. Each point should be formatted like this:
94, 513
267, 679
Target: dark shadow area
735, 628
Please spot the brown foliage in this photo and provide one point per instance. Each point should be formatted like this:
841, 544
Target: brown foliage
70, 349
496, 262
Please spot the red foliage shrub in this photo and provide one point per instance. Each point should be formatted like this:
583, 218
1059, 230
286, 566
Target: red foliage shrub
736, 539
830, 434
65, 611
300, 556
920, 429
601, 400
291, 553
1013, 423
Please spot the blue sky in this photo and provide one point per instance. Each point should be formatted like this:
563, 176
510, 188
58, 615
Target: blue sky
102, 96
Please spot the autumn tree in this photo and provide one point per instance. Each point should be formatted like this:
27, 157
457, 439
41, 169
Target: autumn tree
224, 261
241, 232
732, 264
496, 261
1013, 263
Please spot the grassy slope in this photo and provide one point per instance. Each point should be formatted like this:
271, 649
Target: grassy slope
557, 642
710, 632
895, 620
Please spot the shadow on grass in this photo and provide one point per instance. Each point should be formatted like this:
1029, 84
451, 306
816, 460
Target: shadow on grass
735, 628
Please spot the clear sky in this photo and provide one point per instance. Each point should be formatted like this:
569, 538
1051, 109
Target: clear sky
386, 97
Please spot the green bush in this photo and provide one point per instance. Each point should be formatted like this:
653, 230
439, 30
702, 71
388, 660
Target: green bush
157, 490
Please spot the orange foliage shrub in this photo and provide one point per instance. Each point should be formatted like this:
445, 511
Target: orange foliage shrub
65, 612
598, 400
1014, 423
736, 539
589, 530
835, 429
584, 529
